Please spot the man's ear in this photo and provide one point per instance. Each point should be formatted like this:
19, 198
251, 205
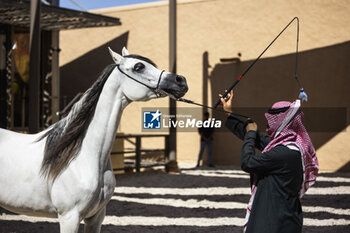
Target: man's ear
125, 52
115, 56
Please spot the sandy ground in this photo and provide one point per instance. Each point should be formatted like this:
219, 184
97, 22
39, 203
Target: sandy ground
198, 200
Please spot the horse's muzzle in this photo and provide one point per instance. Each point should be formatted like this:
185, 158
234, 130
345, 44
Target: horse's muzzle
175, 85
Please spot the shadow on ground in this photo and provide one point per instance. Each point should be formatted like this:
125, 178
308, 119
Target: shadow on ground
159, 179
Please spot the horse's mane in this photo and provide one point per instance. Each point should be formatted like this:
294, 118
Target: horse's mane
64, 138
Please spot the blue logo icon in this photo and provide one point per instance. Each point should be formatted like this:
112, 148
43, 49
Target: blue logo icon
151, 119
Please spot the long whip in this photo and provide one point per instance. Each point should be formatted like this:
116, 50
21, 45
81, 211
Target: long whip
302, 94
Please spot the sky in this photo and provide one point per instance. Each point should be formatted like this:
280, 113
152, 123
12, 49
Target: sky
96, 4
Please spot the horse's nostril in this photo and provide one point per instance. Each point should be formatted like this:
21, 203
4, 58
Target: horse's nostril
179, 79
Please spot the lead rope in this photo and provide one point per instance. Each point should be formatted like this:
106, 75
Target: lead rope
302, 94
201, 105
158, 92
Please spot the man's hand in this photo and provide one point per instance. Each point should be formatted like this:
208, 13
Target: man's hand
251, 126
227, 102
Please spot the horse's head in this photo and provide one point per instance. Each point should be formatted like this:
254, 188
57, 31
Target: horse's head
142, 80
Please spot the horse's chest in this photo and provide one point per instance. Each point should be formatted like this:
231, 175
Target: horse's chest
103, 194
88, 194
109, 183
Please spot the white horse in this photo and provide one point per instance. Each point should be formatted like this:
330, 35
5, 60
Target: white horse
65, 171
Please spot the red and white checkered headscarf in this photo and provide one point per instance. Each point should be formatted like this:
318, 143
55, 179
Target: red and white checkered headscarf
287, 128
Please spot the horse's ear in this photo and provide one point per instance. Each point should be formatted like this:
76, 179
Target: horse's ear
125, 52
116, 57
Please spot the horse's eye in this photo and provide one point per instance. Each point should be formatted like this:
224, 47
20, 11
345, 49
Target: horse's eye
139, 66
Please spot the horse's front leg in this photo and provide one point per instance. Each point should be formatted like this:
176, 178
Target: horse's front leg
69, 222
93, 224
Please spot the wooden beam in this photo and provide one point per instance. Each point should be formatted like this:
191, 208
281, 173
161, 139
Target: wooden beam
34, 67
172, 66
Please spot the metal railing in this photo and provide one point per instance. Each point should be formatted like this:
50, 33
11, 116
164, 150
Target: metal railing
138, 150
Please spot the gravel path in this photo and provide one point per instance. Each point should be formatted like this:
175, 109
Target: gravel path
198, 200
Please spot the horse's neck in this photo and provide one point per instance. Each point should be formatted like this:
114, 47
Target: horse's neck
102, 130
